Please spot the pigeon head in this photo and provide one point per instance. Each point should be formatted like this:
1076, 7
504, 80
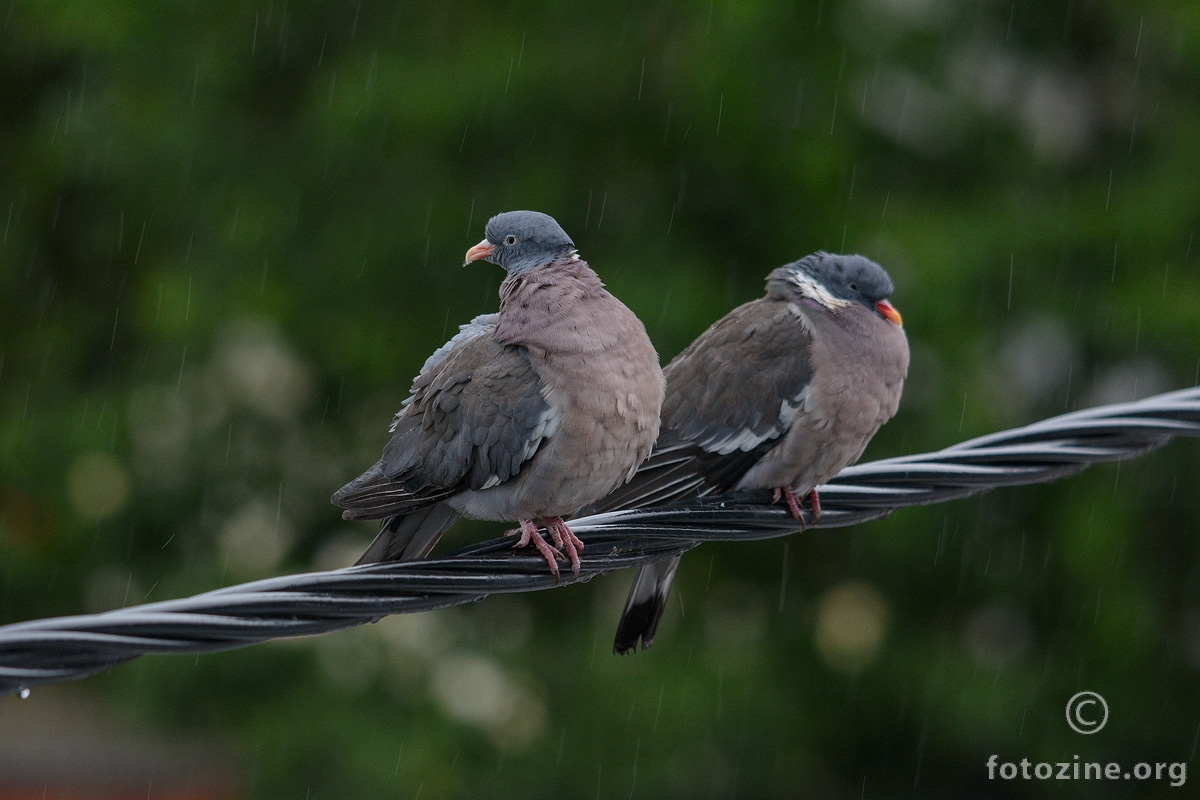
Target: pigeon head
836, 281
522, 240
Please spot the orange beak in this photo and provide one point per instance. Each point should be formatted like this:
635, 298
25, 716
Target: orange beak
889, 313
481, 250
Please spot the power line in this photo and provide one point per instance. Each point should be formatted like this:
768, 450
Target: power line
66, 648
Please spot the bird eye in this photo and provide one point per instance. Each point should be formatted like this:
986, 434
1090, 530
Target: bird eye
510, 240
853, 287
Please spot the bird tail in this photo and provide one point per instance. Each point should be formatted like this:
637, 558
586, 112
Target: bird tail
410, 536
645, 606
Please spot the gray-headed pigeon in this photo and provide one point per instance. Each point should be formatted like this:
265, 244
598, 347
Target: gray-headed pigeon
781, 393
532, 412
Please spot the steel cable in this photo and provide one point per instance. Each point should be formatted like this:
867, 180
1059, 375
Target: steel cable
65, 648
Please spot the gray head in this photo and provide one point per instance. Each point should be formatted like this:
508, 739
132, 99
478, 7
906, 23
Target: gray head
836, 281
521, 240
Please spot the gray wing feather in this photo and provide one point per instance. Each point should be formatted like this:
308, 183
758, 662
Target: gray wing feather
476, 414
742, 381
731, 396
481, 324
410, 536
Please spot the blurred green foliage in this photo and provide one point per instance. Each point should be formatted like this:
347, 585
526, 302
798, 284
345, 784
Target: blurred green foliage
232, 233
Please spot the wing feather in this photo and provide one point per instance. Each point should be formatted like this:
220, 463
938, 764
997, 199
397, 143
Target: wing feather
742, 381
731, 396
477, 413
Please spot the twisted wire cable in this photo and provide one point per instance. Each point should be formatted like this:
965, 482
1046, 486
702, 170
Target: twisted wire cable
65, 648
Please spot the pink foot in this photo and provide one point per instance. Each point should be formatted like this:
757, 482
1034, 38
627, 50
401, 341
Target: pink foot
815, 502
529, 533
793, 504
565, 539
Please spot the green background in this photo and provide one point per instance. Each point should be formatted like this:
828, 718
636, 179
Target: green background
232, 233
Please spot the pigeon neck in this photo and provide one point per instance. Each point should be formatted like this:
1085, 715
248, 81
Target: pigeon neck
546, 307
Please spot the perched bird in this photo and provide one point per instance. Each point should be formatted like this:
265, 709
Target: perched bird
781, 393
532, 412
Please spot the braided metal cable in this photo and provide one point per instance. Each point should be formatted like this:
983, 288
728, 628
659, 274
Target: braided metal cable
65, 648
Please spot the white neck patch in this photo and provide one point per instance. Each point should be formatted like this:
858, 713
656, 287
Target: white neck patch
814, 290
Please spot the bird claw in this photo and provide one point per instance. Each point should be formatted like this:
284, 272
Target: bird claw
793, 503
562, 536
566, 539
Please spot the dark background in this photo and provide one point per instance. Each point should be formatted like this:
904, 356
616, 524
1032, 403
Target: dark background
232, 233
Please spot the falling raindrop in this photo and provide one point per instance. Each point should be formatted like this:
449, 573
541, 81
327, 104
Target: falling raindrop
784, 579
141, 238
24, 693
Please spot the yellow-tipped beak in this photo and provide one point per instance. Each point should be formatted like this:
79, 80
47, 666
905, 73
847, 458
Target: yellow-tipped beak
481, 250
889, 313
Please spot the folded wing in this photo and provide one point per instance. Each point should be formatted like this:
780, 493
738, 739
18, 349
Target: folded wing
731, 396
477, 412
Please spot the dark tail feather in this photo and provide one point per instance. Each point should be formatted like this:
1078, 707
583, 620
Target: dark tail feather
411, 536
645, 606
